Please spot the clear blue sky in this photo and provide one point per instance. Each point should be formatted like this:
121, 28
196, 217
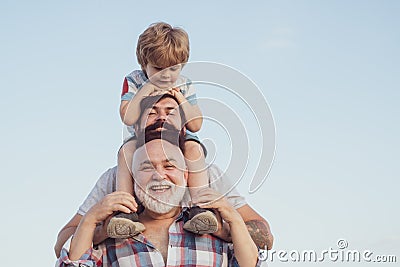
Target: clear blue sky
329, 70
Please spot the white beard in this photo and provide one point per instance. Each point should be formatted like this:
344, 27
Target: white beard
160, 204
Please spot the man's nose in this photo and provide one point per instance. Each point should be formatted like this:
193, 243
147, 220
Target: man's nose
162, 116
158, 174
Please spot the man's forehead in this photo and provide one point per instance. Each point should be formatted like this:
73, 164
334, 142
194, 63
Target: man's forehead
166, 103
158, 151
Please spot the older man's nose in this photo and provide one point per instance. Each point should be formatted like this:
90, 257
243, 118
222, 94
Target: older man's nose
158, 174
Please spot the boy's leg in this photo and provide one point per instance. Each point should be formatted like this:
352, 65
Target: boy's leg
124, 225
124, 170
201, 221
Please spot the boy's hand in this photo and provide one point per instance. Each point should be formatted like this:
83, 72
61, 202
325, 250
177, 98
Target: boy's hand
150, 89
176, 92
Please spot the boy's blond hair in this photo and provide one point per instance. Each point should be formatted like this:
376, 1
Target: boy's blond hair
162, 46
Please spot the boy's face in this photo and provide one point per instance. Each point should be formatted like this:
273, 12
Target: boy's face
163, 78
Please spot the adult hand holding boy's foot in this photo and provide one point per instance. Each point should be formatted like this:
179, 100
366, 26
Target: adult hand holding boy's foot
124, 225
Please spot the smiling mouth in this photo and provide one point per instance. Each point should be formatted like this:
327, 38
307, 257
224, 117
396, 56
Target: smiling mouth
160, 188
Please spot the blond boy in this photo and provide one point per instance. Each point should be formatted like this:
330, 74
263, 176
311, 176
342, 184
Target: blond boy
162, 51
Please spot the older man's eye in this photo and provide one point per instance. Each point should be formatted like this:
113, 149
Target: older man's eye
169, 166
147, 168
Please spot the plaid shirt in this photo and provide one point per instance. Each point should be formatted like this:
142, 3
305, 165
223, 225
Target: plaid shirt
184, 249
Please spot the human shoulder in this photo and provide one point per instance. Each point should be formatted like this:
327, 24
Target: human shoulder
106, 184
136, 73
223, 184
107, 180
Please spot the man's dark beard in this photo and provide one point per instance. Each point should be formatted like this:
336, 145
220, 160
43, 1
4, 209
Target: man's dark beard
162, 130
158, 125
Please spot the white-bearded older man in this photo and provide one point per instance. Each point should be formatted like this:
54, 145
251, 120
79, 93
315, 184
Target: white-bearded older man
160, 176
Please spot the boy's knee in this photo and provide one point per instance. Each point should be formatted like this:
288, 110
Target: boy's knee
127, 149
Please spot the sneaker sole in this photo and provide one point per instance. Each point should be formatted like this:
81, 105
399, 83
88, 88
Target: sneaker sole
203, 223
123, 228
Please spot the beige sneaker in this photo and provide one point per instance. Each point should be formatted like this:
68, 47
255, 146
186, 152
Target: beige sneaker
201, 221
123, 225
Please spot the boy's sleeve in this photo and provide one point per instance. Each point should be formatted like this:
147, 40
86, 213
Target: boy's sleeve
126, 95
132, 83
188, 90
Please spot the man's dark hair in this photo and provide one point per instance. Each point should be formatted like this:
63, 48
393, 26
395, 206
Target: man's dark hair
170, 134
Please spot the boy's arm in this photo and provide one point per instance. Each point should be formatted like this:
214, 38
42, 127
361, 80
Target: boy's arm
129, 110
193, 115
